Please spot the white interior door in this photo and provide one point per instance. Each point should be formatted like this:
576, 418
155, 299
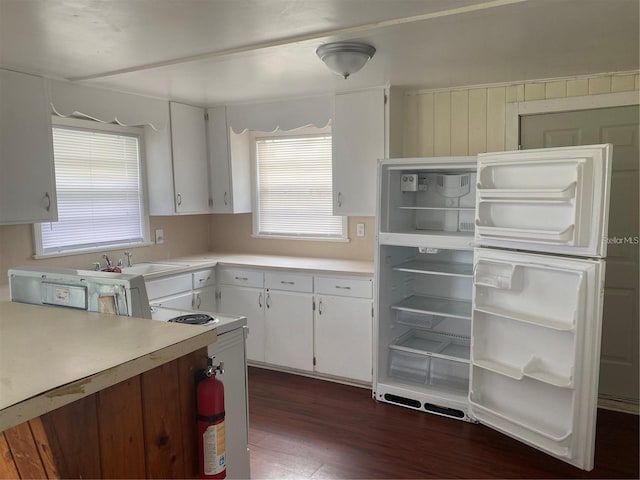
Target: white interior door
620, 355
535, 350
547, 200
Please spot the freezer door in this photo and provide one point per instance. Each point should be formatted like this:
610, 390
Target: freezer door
552, 200
535, 350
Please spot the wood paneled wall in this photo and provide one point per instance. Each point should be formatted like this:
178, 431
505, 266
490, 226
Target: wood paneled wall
472, 120
143, 427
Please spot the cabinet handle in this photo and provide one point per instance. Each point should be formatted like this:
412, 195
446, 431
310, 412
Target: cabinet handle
225, 198
244, 279
48, 197
199, 302
267, 301
320, 307
204, 279
287, 283
343, 288
193, 302
339, 199
260, 300
179, 199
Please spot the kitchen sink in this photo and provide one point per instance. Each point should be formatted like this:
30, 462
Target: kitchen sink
147, 268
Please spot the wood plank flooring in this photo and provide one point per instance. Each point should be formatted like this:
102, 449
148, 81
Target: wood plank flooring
306, 428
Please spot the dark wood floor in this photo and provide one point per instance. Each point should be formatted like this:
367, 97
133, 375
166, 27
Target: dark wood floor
306, 428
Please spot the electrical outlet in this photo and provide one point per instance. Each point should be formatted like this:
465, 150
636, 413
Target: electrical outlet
159, 236
360, 229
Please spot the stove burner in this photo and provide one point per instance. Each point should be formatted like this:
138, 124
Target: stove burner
194, 319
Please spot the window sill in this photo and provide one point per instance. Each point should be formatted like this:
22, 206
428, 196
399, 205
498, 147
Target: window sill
106, 248
312, 239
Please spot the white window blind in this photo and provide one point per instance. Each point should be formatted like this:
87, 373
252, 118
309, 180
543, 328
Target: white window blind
294, 187
98, 191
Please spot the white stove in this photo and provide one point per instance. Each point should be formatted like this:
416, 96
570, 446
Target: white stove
223, 323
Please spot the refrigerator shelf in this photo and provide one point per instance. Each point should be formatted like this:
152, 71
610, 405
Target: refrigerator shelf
533, 369
454, 348
436, 268
554, 324
471, 209
447, 307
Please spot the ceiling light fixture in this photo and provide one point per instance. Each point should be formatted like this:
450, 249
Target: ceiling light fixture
345, 58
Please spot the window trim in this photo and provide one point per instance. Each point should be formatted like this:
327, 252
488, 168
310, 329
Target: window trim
97, 126
307, 131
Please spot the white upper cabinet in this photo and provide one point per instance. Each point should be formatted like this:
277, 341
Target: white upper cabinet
27, 183
358, 142
550, 200
189, 149
229, 165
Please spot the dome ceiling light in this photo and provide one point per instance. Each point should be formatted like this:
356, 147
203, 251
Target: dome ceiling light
345, 58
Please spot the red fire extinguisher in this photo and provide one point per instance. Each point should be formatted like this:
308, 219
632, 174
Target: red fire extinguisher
211, 429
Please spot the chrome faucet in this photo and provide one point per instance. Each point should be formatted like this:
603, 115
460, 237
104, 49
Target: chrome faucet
107, 261
129, 255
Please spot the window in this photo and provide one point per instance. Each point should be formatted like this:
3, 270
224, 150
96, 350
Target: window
293, 191
98, 189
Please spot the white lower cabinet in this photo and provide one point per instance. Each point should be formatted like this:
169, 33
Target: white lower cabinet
249, 302
343, 326
230, 349
342, 337
289, 329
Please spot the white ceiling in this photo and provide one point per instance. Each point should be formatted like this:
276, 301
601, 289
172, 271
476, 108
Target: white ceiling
209, 52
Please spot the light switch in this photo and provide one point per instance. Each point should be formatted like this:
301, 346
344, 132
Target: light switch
159, 236
360, 229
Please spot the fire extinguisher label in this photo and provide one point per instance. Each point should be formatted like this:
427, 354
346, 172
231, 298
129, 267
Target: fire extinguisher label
213, 443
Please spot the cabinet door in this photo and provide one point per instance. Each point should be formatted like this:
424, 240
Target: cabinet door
342, 333
230, 349
289, 329
27, 184
248, 302
190, 169
358, 142
204, 299
229, 165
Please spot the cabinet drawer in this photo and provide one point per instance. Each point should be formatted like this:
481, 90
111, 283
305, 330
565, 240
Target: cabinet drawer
294, 282
172, 285
345, 286
241, 276
204, 278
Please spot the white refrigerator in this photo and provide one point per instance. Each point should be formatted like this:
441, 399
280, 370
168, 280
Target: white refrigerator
489, 291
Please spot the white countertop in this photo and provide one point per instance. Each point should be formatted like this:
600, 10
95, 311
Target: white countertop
278, 262
50, 356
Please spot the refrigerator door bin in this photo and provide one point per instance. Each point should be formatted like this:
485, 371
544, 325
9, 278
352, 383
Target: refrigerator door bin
543, 414
553, 200
509, 348
562, 289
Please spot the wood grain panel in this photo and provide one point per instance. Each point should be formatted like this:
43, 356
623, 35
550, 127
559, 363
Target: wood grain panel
599, 85
44, 450
496, 101
534, 91
557, 89
162, 422
477, 121
577, 87
442, 124
425, 125
8, 467
76, 450
24, 451
121, 431
411, 132
460, 122
622, 83
515, 93
187, 368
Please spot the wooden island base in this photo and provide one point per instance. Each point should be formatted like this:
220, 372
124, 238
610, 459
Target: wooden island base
143, 427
